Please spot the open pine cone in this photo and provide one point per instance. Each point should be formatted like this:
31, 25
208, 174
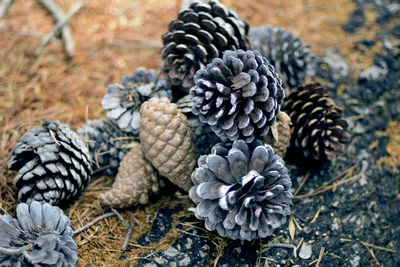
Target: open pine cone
199, 34
135, 182
242, 192
107, 144
40, 236
319, 130
291, 59
166, 140
53, 164
123, 101
239, 95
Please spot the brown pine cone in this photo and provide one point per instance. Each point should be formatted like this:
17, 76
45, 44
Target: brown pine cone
319, 131
279, 136
165, 136
135, 182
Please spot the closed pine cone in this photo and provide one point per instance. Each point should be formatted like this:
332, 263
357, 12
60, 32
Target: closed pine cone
279, 136
135, 182
166, 141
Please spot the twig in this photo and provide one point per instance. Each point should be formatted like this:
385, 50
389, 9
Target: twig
102, 217
4, 5
120, 217
378, 247
128, 235
321, 253
326, 188
61, 23
64, 29
302, 183
372, 254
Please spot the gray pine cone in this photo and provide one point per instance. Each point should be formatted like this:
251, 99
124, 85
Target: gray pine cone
40, 236
291, 58
202, 136
53, 164
243, 193
239, 95
199, 34
107, 144
123, 101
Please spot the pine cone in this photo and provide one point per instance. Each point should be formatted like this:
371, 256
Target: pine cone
135, 182
53, 164
107, 144
122, 101
202, 136
199, 34
238, 95
291, 59
242, 192
319, 131
279, 136
40, 236
166, 141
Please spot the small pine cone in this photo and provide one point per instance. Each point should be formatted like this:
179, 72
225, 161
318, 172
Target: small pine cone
123, 101
40, 236
238, 95
53, 164
279, 136
319, 130
107, 144
166, 137
135, 182
199, 34
291, 59
242, 192
202, 136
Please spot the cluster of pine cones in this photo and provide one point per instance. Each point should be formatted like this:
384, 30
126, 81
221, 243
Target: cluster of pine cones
214, 121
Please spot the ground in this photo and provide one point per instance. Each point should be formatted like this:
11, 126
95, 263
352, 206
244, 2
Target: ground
352, 220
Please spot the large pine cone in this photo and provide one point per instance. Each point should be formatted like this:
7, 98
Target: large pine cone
290, 57
199, 34
107, 144
242, 192
135, 182
279, 136
166, 140
202, 136
319, 130
239, 95
53, 164
123, 101
40, 236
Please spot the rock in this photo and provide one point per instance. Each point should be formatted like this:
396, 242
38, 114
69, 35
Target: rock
305, 251
355, 261
373, 73
171, 252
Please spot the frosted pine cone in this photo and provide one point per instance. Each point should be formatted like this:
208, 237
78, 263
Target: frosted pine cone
199, 34
202, 136
166, 140
123, 101
40, 236
238, 95
107, 144
53, 164
135, 182
319, 130
242, 192
279, 136
290, 57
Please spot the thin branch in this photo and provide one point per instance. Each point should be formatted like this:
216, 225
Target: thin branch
321, 253
102, 217
302, 183
128, 235
120, 217
4, 5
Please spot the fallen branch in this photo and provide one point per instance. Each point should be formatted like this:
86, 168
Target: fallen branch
4, 5
128, 235
61, 28
102, 217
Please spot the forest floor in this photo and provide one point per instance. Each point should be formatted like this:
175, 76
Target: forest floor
351, 220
